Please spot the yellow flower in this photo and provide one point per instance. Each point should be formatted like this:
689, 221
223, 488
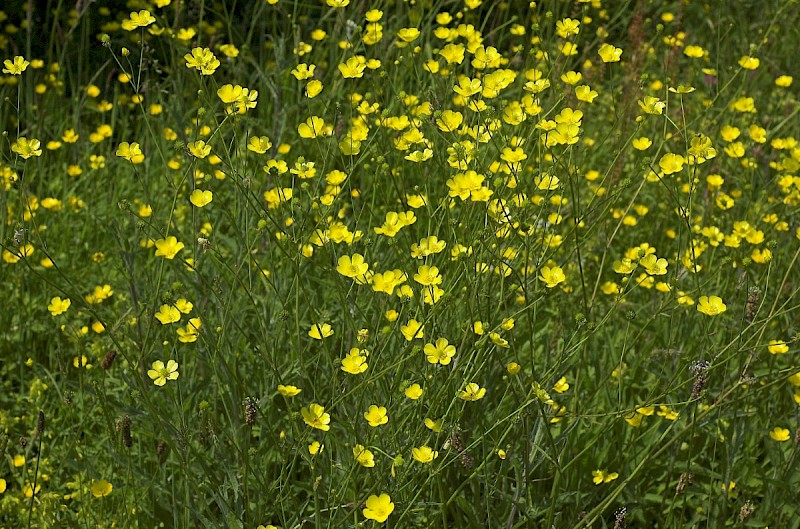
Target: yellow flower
15, 67
58, 306
201, 198
551, 276
561, 385
314, 415
376, 416
694, 52
671, 163
777, 347
749, 63
634, 419
779, 434
199, 149
364, 456
312, 128
652, 105
609, 53
352, 266
378, 507
567, 27
653, 265
138, 20
449, 121
440, 353
101, 488
413, 392
472, 392
161, 373
203, 60
27, 148
467, 87
303, 71
641, 143
353, 68
711, 305
424, 454
313, 88
354, 363
585, 93
413, 329
338, 3
288, 391
168, 314
603, 476
168, 247
408, 34
320, 330
191, 332
131, 152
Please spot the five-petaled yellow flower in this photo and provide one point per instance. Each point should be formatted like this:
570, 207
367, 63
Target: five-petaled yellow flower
320, 330
603, 476
101, 488
58, 306
199, 149
130, 151
376, 415
424, 454
552, 276
779, 434
138, 20
200, 197
711, 305
314, 415
439, 353
378, 508
161, 373
609, 53
472, 392
15, 67
203, 60
168, 247
352, 266
168, 314
27, 147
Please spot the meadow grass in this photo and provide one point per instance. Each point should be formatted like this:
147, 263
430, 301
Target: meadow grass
425, 264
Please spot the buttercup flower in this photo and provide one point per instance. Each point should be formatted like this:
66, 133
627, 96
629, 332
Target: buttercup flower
378, 507
320, 330
711, 306
161, 373
603, 476
27, 148
424, 454
15, 66
779, 434
440, 353
609, 53
472, 392
288, 391
314, 415
131, 152
376, 415
168, 247
101, 488
58, 306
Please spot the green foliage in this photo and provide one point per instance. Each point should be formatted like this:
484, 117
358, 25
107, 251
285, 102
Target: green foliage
300, 264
